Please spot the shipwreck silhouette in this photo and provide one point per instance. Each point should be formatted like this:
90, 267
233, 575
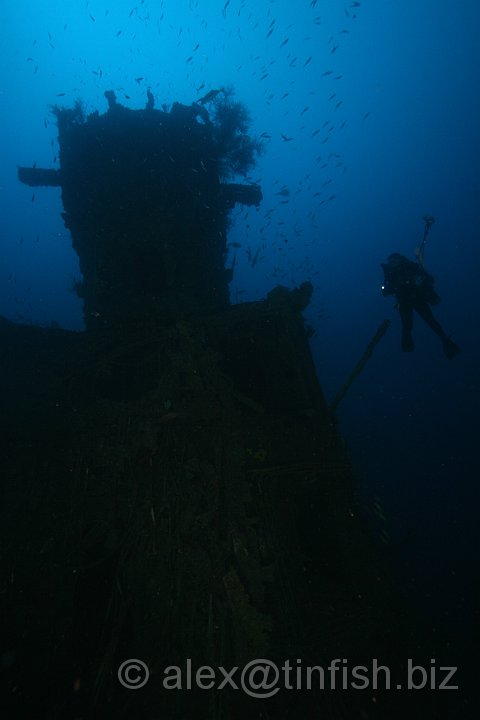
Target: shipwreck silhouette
173, 483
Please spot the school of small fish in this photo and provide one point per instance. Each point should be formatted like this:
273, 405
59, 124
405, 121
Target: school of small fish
277, 228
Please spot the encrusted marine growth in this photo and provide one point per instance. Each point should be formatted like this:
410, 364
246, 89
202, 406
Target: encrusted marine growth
146, 205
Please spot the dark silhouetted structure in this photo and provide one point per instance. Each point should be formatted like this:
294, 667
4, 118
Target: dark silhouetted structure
174, 489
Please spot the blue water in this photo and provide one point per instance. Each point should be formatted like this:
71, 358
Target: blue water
392, 89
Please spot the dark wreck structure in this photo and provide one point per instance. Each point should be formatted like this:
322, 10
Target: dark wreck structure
173, 487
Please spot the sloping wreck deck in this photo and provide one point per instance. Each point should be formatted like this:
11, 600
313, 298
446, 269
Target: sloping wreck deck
174, 488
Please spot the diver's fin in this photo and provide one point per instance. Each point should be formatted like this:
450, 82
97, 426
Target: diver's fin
450, 348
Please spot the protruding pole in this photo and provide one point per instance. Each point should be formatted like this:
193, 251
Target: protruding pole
360, 365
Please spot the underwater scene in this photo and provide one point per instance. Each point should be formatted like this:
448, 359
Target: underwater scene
239, 359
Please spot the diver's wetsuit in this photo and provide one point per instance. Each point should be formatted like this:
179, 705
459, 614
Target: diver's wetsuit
413, 287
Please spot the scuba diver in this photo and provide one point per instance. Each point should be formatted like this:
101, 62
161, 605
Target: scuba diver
414, 289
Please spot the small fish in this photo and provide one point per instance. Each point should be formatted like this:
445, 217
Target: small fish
118, 33
305, 110
254, 260
287, 139
307, 61
269, 33
138, 80
366, 115
284, 42
338, 104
